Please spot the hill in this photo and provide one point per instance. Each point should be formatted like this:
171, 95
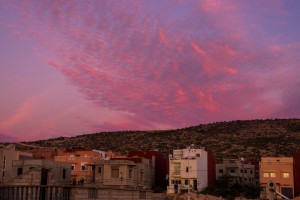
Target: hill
250, 139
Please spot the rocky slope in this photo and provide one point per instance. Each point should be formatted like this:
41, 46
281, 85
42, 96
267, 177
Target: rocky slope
249, 139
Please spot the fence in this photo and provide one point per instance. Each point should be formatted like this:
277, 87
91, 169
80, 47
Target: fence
35, 193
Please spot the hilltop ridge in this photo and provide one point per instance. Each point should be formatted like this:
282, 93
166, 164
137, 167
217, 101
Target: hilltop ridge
250, 139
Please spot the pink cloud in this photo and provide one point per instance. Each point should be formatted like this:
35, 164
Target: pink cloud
166, 68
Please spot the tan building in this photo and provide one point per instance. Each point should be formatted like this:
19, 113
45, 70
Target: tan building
123, 173
81, 161
239, 171
40, 172
278, 170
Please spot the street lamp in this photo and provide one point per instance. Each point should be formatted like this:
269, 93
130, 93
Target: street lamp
189, 148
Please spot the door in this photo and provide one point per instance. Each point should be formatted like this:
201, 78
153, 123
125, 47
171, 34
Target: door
195, 184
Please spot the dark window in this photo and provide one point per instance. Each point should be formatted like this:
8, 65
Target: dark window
186, 182
241, 171
72, 167
221, 171
232, 171
245, 171
251, 172
142, 174
99, 170
64, 173
82, 167
20, 170
187, 169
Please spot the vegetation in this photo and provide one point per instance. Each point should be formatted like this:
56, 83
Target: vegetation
250, 139
225, 189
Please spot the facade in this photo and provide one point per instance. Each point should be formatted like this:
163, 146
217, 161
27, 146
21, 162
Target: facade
126, 173
47, 154
7, 155
81, 161
238, 170
40, 172
297, 173
159, 164
278, 170
190, 167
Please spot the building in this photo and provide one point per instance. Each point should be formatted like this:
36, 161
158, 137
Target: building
40, 172
190, 167
297, 174
81, 161
123, 173
7, 155
159, 164
279, 171
47, 154
238, 169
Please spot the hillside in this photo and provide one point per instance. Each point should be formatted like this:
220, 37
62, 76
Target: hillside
250, 139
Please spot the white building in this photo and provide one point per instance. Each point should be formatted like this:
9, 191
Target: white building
190, 166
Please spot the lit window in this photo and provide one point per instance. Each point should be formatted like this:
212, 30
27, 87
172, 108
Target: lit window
266, 174
286, 174
273, 174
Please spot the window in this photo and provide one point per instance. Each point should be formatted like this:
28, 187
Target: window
64, 173
72, 167
251, 172
186, 182
232, 171
286, 175
4, 162
245, 171
187, 169
20, 170
198, 154
221, 171
130, 173
241, 171
83, 167
273, 174
142, 174
266, 174
99, 170
115, 172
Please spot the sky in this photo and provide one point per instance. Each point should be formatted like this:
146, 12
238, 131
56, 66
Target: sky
72, 67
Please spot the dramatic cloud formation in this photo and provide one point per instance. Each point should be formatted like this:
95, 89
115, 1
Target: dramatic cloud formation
165, 63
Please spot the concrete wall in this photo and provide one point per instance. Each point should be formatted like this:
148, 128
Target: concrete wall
32, 169
85, 193
7, 155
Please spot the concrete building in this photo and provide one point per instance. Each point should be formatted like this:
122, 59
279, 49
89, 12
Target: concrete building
123, 173
7, 155
81, 161
194, 167
238, 169
40, 172
159, 164
278, 170
297, 174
